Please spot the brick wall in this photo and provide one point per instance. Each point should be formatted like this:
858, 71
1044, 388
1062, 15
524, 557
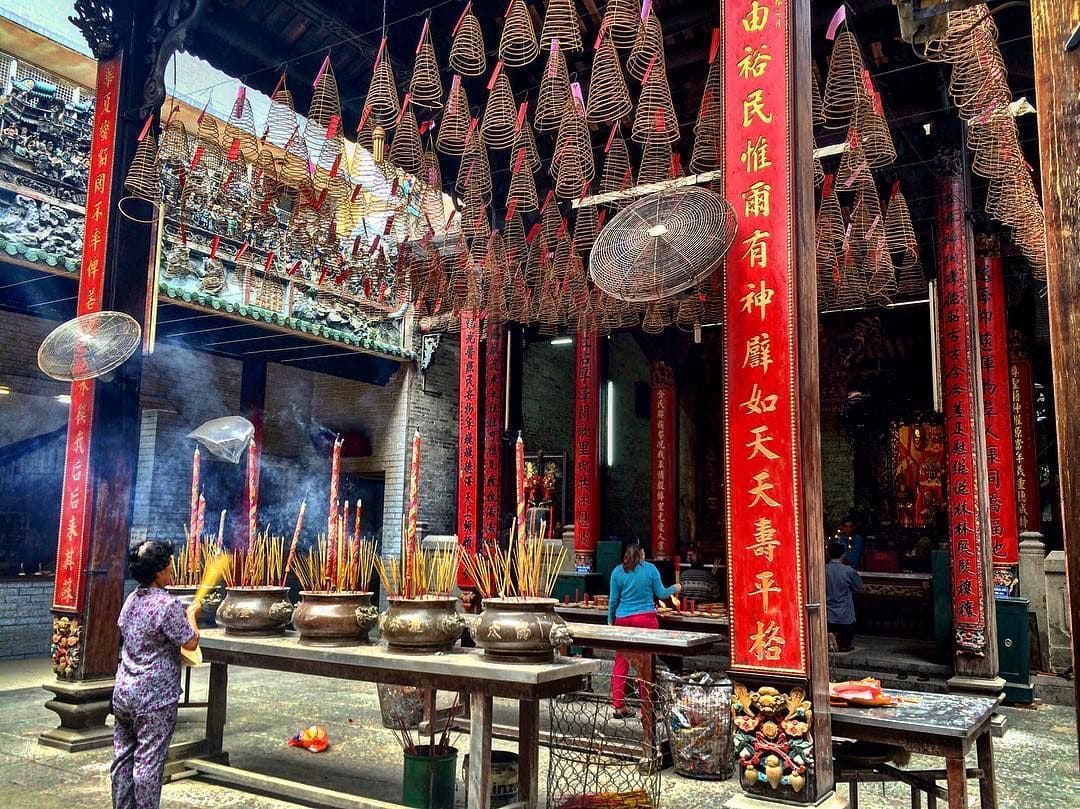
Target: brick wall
25, 619
627, 506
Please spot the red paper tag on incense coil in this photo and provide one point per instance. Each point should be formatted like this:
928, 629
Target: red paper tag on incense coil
378, 55
295, 267
519, 158
195, 158
563, 226
394, 187
837, 20
552, 68
584, 190
332, 127
610, 139
234, 149
238, 105
706, 100
511, 207
601, 218
382, 292
450, 218
895, 189
202, 114
550, 196
268, 262
146, 128
363, 117
240, 252
659, 121
401, 112
579, 99
676, 165
626, 177
336, 165
355, 192
878, 108
424, 127
322, 276
648, 71
341, 276
494, 75
374, 244
533, 231
714, 46
355, 246
455, 86
868, 83
367, 287
423, 34
461, 19
214, 246
522, 107
322, 69
600, 33
319, 202
331, 230
389, 226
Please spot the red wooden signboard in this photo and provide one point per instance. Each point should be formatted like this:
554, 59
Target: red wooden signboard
468, 428
494, 398
958, 371
997, 409
586, 446
664, 470
69, 586
765, 534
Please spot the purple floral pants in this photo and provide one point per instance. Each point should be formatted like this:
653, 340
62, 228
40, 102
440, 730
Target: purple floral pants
140, 743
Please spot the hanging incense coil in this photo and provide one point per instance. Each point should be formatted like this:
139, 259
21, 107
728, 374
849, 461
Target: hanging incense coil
455, 122
474, 217
365, 132
382, 95
708, 138
522, 187
960, 25
830, 219
655, 161
910, 281
525, 138
817, 104
240, 128
143, 178
648, 45
325, 108
515, 237
689, 312
550, 222
281, 121
656, 319
900, 232
994, 139
175, 146
425, 85
554, 93
844, 83
586, 227
572, 164
827, 272
517, 44
467, 52
406, 151
874, 134
500, 114
474, 171
979, 80
853, 163
430, 170
561, 23
617, 174
609, 100
623, 18
819, 171
655, 114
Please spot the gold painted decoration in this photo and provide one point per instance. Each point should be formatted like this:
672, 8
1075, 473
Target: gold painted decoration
467, 54
518, 45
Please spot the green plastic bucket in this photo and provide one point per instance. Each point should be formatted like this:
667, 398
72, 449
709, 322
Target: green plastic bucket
428, 781
504, 778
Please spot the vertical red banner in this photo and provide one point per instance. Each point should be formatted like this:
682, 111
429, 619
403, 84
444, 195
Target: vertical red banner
1022, 394
959, 373
586, 447
494, 401
68, 588
765, 536
664, 471
997, 414
468, 428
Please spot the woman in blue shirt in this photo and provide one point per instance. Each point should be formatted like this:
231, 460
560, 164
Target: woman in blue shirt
635, 586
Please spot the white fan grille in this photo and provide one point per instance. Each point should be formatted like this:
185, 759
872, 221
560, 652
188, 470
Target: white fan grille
89, 346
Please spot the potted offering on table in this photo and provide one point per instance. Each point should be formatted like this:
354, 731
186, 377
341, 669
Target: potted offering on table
423, 615
335, 600
519, 623
256, 602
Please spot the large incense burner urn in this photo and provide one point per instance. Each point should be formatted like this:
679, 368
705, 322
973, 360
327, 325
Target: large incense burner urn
255, 611
423, 625
210, 603
334, 619
521, 630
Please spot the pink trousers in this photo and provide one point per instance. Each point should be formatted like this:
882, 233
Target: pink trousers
642, 620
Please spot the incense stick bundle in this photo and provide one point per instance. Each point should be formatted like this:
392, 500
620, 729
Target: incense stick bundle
261, 563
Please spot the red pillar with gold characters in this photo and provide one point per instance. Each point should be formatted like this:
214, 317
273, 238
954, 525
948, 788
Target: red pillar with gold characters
665, 536
468, 430
997, 417
974, 632
1022, 401
587, 373
494, 404
772, 454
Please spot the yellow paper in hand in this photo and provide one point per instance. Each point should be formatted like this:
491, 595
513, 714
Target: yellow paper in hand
212, 574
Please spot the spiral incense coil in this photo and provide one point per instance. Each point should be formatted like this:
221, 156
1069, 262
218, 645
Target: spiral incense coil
844, 84
474, 171
853, 163
281, 121
550, 222
708, 145
143, 178
609, 100
561, 23
425, 85
689, 312
816, 101
517, 44
827, 272
979, 80
267, 167
523, 189
655, 115
474, 217
657, 318
617, 174
874, 135
382, 95
819, 171
175, 147
830, 218
500, 114
586, 228
240, 129
572, 164
330, 171
995, 141
430, 171
525, 138
648, 45
900, 232
623, 18
656, 161
514, 228
455, 123
467, 53
325, 104
365, 133
406, 151
554, 93
951, 45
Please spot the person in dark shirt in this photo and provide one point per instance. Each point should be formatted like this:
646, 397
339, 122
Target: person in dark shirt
154, 627
699, 585
841, 582
853, 543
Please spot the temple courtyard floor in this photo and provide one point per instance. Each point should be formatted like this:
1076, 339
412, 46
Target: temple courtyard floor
1036, 760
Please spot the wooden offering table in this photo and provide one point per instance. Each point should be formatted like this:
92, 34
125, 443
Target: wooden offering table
943, 725
669, 619
462, 670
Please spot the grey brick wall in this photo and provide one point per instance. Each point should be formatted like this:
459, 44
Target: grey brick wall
25, 619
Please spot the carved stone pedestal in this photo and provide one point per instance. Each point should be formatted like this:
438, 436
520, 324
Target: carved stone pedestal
82, 708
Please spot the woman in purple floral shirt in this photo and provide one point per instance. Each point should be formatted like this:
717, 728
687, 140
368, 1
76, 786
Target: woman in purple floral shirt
154, 627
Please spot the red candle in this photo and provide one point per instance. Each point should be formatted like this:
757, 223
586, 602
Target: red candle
519, 467
253, 490
356, 523
193, 516
414, 494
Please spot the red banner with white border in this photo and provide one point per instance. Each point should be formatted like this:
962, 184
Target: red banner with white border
468, 429
494, 401
665, 535
586, 445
